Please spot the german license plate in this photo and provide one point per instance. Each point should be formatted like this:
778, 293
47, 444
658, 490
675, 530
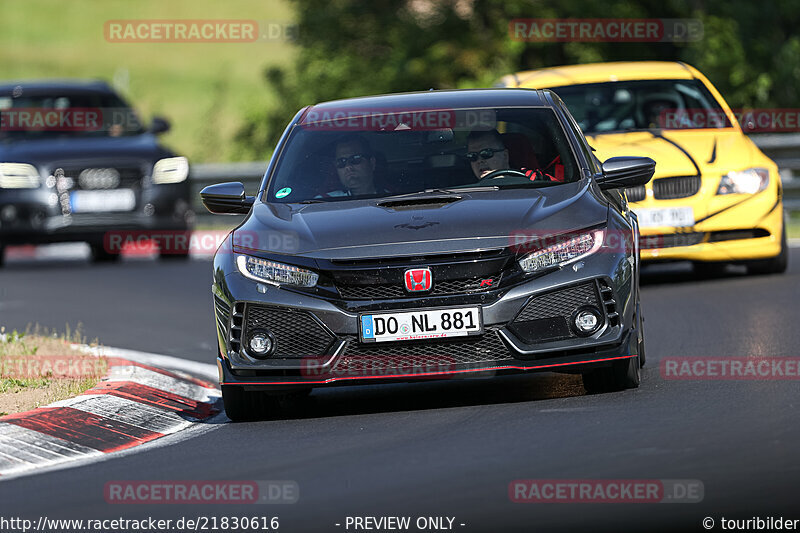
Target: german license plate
416, 325
102, 201
669, 216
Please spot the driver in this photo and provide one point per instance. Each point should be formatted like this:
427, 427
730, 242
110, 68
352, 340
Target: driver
486, 153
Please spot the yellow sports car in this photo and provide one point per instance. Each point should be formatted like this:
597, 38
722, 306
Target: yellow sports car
715, 197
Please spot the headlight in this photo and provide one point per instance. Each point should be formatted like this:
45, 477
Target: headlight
748, 181
18, 176
275, 273
563, 253
170, 170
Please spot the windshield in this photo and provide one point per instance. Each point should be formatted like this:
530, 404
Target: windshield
642, 105
68, 113
380, 154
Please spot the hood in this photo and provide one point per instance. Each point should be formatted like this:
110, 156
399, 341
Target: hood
43, 152
363, 229
715, 152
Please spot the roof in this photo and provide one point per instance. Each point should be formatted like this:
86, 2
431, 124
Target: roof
47, 86
425, 100
599, 73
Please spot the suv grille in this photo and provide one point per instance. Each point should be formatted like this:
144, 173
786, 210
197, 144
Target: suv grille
678, 187
104, 177
297, 333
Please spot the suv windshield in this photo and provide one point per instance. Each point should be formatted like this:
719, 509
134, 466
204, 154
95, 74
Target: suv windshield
334, 156
67, 113
642, 105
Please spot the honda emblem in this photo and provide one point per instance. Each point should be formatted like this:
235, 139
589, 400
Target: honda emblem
418, 279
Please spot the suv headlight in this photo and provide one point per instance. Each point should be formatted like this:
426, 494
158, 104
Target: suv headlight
563, 253
748, 181
275, 273
170, 170
18, 176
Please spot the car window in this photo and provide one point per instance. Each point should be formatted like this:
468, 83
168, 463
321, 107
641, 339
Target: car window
642, 105
331, 157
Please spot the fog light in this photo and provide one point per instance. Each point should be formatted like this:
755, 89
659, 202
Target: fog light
260, 344
586, 320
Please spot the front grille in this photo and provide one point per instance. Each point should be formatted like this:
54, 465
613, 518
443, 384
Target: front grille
401, 357
677, 187
397, 290
670, 240
559, 303
636, 194
297, 334
547, 317
128, 177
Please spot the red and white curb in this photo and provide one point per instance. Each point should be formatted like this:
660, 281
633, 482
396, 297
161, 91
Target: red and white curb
134, 404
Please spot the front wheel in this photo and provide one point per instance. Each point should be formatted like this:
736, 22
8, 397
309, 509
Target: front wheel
773, 265
619, 376
242, 405
101, 255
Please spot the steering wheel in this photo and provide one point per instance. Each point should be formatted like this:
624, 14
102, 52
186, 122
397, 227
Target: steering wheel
493, 175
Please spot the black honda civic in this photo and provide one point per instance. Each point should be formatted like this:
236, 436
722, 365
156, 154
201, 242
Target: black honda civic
431, 235
76, 164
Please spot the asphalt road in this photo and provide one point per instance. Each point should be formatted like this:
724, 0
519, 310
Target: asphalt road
450, 448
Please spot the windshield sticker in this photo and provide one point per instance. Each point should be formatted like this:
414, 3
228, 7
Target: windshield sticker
286, 191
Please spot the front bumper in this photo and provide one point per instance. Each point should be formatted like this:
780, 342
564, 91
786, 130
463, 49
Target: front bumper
30, 216
739, 228
338, 358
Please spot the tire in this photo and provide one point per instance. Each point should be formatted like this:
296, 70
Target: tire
773, 265
100, 255
642, 358
242, 405
173, 256
619, 376
705, 270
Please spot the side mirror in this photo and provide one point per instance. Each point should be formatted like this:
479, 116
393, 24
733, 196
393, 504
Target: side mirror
226, 199
159, 125
626, 172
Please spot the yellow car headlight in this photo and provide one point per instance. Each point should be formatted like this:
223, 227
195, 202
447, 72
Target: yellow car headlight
19, 176
170, 170
748, 181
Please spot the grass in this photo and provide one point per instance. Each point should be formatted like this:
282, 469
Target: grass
35, 368
205, 89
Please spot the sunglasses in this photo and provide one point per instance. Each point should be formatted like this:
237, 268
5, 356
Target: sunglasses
353, 160
486, 153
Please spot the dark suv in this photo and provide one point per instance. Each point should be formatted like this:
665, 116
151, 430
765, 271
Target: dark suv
76, 164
